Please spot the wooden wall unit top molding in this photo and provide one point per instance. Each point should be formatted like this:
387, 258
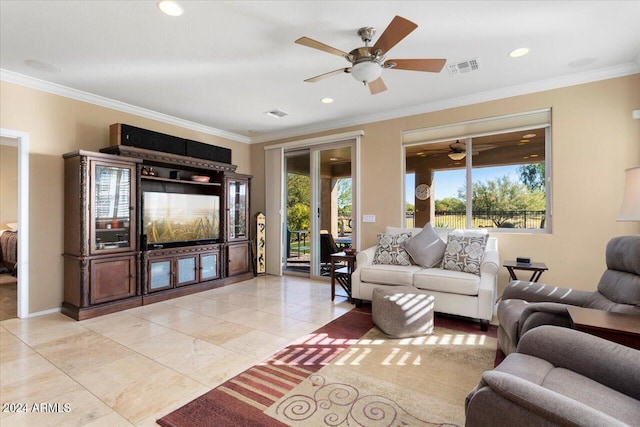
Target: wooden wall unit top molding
168, 158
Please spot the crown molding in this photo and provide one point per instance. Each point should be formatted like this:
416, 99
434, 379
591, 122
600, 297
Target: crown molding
460, 101
56, 89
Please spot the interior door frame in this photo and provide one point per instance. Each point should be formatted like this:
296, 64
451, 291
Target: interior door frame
22, 142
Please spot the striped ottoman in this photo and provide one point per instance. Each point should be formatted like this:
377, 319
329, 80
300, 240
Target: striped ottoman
402, 311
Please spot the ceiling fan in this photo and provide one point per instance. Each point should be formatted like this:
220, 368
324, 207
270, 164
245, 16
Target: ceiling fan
458, 150
367, 62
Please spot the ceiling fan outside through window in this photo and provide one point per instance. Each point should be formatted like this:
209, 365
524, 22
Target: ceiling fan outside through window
367, 62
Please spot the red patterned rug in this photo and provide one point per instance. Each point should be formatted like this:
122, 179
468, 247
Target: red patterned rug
289, 386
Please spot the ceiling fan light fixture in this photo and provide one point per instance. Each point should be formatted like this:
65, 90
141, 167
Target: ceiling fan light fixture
457, 156
170, 7
517, 53
366, 71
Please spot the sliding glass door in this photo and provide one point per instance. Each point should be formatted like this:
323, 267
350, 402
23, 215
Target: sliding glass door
319, 207
297, 227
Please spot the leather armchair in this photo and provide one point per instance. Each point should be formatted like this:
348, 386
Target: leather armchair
559, 376
527, 305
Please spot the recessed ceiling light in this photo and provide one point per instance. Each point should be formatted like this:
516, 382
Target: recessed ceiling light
333, 159
326, 100
521, 51
524, 141
533, 155
169, 7
529, 135
42, 66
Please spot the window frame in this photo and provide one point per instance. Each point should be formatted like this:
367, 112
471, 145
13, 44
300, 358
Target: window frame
467, 131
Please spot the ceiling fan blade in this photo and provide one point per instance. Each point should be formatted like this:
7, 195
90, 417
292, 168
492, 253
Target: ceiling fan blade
398, 29
377, 86
429, 65
306, 41
325, 75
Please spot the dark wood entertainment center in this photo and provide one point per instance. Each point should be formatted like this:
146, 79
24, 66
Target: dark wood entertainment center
109, 262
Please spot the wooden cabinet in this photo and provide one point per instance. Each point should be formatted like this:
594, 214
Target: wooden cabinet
237, 223
143, 226
237, 206
112, 279
178, 267
100, 245
237, 258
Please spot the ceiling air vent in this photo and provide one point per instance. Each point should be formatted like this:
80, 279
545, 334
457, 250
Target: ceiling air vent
464, 67
276, 113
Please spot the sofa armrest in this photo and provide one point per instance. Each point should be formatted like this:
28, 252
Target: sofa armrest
365, 257
543, 313
488, 287
538, 292
490, 263
614, 365
545, 403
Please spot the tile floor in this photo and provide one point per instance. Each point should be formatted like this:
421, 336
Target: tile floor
132, 367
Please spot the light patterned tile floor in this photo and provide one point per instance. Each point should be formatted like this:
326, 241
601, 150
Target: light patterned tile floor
133, 367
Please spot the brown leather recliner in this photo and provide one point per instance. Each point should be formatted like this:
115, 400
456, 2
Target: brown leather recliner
526, 305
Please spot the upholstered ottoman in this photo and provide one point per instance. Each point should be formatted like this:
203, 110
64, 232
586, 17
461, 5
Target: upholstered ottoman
402, 311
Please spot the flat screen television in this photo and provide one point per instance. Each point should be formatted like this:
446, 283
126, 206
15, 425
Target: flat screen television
176, 218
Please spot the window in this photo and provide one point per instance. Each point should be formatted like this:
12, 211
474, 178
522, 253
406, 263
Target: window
493, 180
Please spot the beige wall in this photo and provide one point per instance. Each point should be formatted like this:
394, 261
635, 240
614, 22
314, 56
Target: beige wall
594, 139
8, 185
58, 125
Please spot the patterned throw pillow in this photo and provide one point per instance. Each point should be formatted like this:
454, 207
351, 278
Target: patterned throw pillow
389, 250
464, 253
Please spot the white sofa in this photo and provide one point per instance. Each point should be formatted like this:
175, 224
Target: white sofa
455, 292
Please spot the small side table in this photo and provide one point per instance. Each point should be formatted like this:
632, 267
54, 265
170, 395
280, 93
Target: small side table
537, 267
617, 327
342, 275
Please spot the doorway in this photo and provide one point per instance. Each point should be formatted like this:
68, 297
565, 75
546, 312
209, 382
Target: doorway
20, 140
319, 207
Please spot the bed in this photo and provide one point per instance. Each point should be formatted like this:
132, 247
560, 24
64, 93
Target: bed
9, 250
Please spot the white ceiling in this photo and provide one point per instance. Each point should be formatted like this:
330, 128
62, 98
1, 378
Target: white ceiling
222, 64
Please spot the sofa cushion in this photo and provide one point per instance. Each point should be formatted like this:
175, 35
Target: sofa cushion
464, 252
389, 274
426, 249
389, 250
452, 282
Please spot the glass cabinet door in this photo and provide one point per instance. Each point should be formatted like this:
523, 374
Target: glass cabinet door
186, 270
237, 205
112, 208
209, 266
159, 274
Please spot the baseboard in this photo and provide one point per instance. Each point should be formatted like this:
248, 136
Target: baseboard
45, 312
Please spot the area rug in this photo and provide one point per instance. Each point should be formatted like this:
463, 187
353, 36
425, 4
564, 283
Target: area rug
348, 373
